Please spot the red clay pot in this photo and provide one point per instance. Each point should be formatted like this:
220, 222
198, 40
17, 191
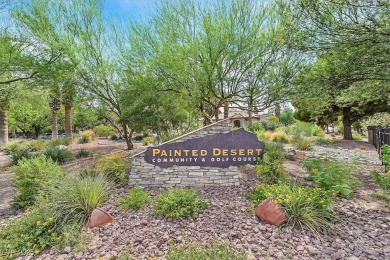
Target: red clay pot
99, 218
271, 212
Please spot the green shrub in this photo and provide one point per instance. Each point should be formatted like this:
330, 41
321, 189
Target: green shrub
74, 198
303, 206
59, 141
178, 202
268, 125
104, 130
301, 143
270, 167
135, 200
114, 137
83, 153
214, 251
332, 175
36, 145
357, 137
382, 180
31, 176
274, 119
280, 137
114, 166
59, 155
385, 151
287, 118
304, 128
84, 139
148, 140
34, 232
11, 147
22, 152
322, 140
255, 127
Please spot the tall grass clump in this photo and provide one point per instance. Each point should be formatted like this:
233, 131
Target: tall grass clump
304, 206
59, 155
74, 199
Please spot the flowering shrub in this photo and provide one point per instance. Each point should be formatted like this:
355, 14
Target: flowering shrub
303, 206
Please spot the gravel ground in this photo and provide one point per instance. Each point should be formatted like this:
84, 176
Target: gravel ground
362, 226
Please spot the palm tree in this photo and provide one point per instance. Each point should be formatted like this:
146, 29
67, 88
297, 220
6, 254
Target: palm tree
55, 105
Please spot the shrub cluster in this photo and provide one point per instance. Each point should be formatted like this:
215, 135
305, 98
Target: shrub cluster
269, 125
270, 167
135, 200
104, 130
178, 202
303, 206
86, 137
306, 129
255, 127
114, 166
301, 143
332, 175
148, 140
382, 180
31, 175
58, 154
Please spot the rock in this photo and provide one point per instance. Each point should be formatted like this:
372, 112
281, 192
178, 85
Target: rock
270, 212
300, 248
291, 154
144, 222
67, 250
62, 147
312, 250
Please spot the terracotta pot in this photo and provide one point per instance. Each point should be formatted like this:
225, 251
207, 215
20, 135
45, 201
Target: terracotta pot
271, 212
98, 218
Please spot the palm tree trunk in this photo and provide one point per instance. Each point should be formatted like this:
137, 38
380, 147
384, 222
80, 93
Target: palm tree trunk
54, 128
68, 121
3, 127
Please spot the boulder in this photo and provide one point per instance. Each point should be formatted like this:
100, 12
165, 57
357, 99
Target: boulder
271, 212
291, 154
98, 218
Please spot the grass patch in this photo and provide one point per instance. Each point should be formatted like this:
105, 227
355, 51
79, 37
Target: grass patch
135, 200
178, 202
301, 143
383, 196
114, 167
382, 180
59, 155
214, 251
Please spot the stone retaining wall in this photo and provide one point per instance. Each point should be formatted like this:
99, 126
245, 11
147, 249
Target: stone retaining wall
148, 175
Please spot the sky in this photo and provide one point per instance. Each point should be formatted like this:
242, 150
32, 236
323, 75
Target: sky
129, 9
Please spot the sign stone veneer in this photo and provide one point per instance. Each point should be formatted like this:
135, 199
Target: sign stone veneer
148, 175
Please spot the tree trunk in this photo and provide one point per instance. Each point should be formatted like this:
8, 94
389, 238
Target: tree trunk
226, 111
37, 131
277, 110
347, 123
68, 121
14, 133
54, 129
128, 137
3, 127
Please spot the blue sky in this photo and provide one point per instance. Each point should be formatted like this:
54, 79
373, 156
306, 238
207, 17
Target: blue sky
129, 9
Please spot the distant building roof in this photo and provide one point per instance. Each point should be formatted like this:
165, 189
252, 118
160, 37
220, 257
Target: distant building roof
238, 113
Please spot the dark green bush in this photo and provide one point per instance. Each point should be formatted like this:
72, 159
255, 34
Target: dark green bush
59, 155
83, 153
135, 200
255, 127
303, 206
332, 175
104, 130
270, 167
31, 176
287, 117
269, 125
214, 251
178, 202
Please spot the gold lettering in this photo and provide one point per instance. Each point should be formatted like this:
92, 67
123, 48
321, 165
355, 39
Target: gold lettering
241, 152
155, 152
203, 152
258, 151
163, 153
186, 152
225, 152
250, 151
216, 151
177, 152
194, 152
233, 152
